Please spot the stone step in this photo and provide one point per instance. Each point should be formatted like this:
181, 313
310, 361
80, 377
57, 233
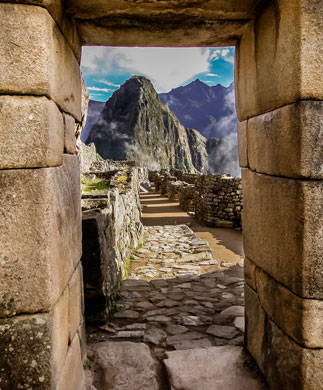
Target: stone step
212, 368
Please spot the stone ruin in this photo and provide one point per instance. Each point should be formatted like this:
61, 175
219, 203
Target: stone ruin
215, 200
112, 230
278, 70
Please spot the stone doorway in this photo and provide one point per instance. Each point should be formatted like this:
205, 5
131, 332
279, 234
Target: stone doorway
279, 103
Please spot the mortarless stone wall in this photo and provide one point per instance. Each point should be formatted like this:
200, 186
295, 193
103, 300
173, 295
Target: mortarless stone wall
218, 200
111, 231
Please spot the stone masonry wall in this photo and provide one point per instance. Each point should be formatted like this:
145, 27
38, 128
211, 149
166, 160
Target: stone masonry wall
215, 199
218, 200
41, 309
111, 231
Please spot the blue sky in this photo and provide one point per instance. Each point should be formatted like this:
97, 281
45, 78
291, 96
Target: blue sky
106, 68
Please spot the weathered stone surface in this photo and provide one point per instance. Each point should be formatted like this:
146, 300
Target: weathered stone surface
250, 273
288, 365
243, 143
69, 134
123, 366
220, 368
285, 142
277, 62
75, 309
283, 226
60, 334
255, 327
221, 9
72, 375
227, 332
299, 318
31, 132
40, 229
40, 60
25, 343
54, 7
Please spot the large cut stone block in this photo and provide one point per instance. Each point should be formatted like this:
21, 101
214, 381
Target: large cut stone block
72, 375
299, 318
25, 343
255, 318
32, 132
285, 363
243, 144
122, 366
33, 348
40, 230
289, 366
36, 59
69, 134
279, 57
286, 141
283, 230
75, 287
221, 368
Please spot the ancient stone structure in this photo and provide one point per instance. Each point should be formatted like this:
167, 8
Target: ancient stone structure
279, 102
111, 231
218, 200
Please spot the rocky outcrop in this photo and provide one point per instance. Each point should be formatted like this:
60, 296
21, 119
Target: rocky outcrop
198, 150
135, 125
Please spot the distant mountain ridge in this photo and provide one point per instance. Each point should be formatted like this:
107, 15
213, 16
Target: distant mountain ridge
135, 125
208, 109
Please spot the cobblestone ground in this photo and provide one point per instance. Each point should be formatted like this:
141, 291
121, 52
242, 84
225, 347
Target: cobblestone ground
176, 297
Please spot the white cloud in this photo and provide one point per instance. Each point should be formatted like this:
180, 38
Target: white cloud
99, 89
108, 83
224, 54
213, 75
166, 67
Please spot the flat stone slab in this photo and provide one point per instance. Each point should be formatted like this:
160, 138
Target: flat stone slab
123, 366
213, 368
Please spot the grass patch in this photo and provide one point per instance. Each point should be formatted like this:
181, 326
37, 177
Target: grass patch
93, 185
123, 179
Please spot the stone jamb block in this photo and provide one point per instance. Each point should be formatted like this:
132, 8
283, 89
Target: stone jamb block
72, 375
285, 364
299, 318
36, 59
75, 302
286, 141
290, 366
69, 134
250, 273
283, 230
31, 132
66, 24
40, 229
243, 144
59, 334
25, 359
278, 60
255, 327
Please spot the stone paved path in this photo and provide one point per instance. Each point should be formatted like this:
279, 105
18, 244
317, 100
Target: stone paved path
176, 297
176, 306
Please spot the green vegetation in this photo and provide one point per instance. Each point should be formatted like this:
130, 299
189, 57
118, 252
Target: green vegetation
123, 179
93, 185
